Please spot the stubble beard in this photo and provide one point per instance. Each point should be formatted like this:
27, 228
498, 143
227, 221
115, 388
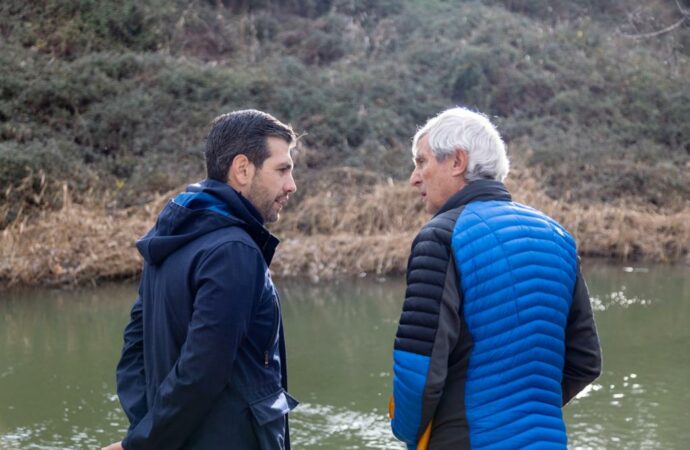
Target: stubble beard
263, 202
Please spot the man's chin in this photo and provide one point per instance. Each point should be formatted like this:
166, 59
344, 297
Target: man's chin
273, 218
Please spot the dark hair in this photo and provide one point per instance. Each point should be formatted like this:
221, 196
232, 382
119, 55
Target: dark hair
241, 133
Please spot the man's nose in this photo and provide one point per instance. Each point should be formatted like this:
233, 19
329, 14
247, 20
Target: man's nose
291, 186
415, 179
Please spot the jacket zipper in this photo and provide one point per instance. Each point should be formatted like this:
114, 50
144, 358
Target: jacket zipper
276, 324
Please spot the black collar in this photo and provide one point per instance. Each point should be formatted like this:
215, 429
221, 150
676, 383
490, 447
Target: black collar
480, 190
241, 208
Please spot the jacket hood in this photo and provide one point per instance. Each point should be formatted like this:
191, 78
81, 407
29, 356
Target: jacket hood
204, 207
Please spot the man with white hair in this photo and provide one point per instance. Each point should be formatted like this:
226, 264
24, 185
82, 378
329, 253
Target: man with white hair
496, 332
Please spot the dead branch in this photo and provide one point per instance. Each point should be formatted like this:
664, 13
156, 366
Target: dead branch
685, 13
658, 32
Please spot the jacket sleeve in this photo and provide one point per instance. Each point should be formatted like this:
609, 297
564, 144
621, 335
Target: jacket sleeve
228, 281
427, 332
130, 374
582, 351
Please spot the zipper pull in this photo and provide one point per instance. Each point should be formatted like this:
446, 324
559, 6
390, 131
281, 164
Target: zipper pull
266, 359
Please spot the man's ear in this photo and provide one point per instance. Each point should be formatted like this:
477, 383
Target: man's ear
241, 173
460, 162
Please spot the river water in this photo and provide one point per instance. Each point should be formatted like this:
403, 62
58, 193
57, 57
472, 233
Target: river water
58, 350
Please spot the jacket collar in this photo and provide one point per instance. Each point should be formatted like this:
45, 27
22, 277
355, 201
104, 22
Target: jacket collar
480, 190
243, 210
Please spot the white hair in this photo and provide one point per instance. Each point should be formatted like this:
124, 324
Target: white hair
462, 129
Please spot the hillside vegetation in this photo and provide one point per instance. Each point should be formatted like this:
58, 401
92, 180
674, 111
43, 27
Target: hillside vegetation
107, 103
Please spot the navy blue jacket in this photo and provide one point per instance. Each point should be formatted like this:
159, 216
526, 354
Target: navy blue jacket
203, 363
496, 332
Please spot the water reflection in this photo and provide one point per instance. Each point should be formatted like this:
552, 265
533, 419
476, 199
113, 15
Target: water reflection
56, 391
328, 427
58, 350
640, 400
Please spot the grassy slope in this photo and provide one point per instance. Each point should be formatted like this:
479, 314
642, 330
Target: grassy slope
109, 100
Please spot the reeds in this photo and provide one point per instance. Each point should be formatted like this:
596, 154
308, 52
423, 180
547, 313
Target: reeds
626, 230
343, 230
370, 231
78, 244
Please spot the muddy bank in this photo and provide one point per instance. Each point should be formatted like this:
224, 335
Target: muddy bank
336, 232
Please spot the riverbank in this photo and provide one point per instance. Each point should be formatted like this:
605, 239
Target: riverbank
104, 107
341, 230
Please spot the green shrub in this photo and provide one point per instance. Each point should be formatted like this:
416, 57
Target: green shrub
124, 91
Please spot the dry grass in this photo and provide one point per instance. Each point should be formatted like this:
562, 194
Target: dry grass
325, 257
622, 231
336, 231
377, 209
78, 244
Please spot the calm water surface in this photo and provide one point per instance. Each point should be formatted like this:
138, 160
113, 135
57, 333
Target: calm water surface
58, 350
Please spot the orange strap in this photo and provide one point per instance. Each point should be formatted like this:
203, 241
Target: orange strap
424, 440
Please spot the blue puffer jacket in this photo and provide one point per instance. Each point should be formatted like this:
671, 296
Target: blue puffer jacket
203, 364
497, 332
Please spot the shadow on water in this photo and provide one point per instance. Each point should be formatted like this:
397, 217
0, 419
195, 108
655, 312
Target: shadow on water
58, 350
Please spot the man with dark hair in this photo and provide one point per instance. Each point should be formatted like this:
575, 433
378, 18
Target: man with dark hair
203, 364
496, 332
